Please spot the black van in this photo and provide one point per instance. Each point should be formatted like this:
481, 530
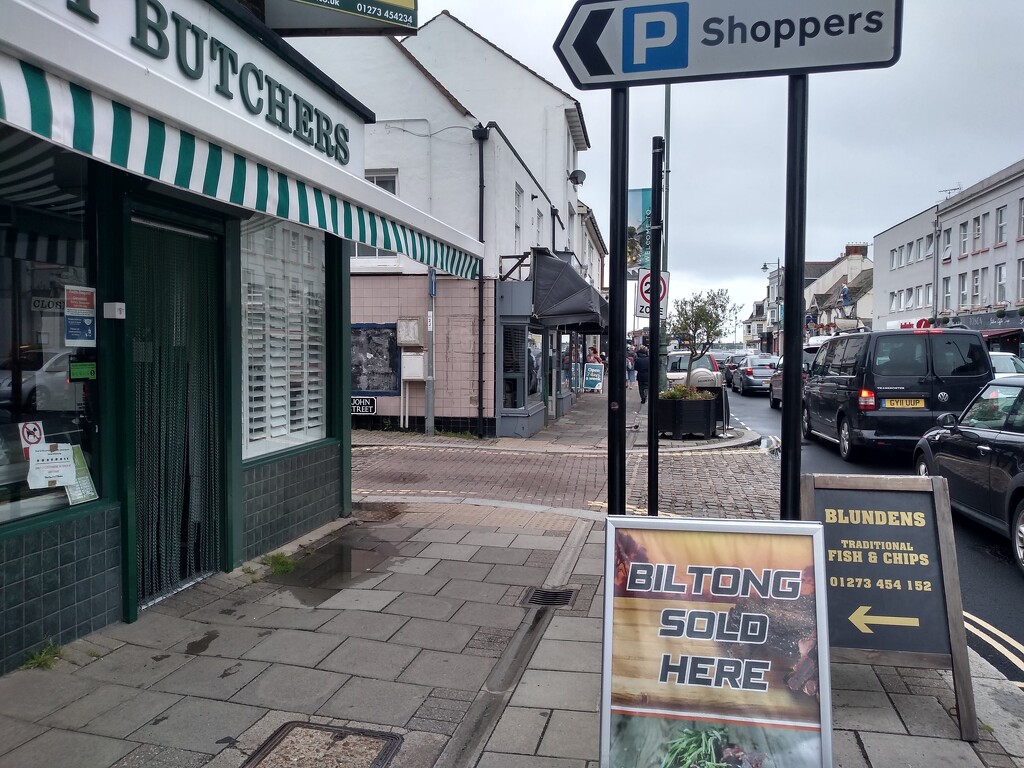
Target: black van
886, 388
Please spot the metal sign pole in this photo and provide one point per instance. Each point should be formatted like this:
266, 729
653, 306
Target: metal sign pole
792, 343
618, 204
657, 178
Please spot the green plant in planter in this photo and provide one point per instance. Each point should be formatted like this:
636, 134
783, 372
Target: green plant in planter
945, 321
1000, 312
1020, 311
684, 392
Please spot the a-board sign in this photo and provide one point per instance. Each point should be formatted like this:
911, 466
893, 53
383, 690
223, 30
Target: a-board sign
714, 625
593, 375
364, 406
893, 584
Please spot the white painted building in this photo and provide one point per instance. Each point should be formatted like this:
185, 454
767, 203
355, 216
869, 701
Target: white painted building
497, 362
978, 277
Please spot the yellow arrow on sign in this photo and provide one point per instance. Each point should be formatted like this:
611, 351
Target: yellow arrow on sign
860, 619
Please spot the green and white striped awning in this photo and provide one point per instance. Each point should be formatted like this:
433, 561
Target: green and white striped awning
76, 118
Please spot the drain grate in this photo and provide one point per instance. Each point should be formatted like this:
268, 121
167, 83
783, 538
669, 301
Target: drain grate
297, 743
549, 598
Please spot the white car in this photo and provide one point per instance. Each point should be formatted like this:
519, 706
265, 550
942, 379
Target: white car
44, 381
1006, 364
705, 370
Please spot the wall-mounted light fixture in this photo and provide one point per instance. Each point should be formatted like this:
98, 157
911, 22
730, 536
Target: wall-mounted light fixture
577, 177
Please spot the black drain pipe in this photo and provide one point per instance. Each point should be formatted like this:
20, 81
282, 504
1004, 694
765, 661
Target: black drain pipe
480, 133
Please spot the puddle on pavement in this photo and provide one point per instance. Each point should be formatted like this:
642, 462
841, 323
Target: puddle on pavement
340, 564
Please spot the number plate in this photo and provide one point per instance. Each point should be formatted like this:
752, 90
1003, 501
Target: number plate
905, 402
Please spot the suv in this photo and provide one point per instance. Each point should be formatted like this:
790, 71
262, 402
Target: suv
705, 370
885, 388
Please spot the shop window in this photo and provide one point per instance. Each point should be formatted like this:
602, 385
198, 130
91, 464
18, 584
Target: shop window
48, 372
284, 335
514, 367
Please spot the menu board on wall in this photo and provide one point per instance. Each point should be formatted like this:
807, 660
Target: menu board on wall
376, 359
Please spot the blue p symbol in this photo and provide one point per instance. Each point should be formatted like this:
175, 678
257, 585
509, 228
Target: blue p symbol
655, 37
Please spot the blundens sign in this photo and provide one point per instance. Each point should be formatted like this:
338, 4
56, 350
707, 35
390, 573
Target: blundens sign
616, 43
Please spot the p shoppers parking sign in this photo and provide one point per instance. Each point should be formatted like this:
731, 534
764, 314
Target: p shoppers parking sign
618, 43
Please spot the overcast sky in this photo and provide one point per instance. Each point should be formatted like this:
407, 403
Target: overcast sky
883, 144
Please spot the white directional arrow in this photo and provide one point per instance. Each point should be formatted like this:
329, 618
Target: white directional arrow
618, 43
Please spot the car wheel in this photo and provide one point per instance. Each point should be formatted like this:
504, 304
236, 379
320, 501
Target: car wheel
847, 450
31, 402
776, 404
921, 466
1017, 536
805, 422
743, 389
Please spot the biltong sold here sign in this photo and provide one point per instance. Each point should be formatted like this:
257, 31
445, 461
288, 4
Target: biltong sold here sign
713, 626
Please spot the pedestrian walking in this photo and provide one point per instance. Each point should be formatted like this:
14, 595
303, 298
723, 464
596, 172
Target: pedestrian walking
630, 366
642, 369
593, 356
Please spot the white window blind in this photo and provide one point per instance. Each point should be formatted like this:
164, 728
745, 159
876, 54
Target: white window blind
283, 335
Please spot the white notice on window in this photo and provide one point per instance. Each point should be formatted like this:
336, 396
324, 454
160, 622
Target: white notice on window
51, 466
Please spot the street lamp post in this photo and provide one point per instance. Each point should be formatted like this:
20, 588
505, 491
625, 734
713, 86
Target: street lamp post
777, 324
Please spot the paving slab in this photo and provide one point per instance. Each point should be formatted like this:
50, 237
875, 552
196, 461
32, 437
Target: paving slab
484, 615
441, 551
153, 630
211, 677
457, 569
498, 760
441, 535
67, 749
416, 584
295, 689
125, 718
476, 591
518, 575
574, 628
572, 734
424, 607
528, 541
360, 599
82, 711
545, 689
376, 701
865, 711
298, 597
490, 539
419, 750
567, 656
232, 641
29, 694
519, 730
435, 635
419, 565
230, 611
370, 658
886, 750
15, 732
156, 756
134, 666
372, 626
854, 677
294, 618
199, 725
292, 646
448, 670
500, 556
925, 716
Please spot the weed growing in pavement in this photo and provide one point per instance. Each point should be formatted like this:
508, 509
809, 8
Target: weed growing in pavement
279, 563
248, 570
45, 658
464, 435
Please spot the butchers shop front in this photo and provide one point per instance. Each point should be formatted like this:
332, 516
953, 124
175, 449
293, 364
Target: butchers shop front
180, 193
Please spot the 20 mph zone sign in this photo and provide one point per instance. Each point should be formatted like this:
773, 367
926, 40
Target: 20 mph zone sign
619, 43
643, 294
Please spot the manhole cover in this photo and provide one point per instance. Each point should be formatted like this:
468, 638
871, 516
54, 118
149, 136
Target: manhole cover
325, 746
550, 598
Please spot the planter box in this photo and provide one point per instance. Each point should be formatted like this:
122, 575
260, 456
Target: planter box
686, 417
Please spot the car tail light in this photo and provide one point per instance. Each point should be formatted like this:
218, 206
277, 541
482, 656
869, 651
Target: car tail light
750, 371
866, 400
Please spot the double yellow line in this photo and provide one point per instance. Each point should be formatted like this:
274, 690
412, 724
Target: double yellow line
1009, 648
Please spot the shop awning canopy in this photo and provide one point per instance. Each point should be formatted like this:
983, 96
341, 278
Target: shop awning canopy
562, 297
86, 122
999, 333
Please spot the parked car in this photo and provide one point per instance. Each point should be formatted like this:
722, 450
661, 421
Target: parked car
705, 370
753, 373
775, 383
44, 380
885, 388
981, 455
731, 365
1006, 364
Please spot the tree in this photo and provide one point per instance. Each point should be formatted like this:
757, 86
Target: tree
701, 319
